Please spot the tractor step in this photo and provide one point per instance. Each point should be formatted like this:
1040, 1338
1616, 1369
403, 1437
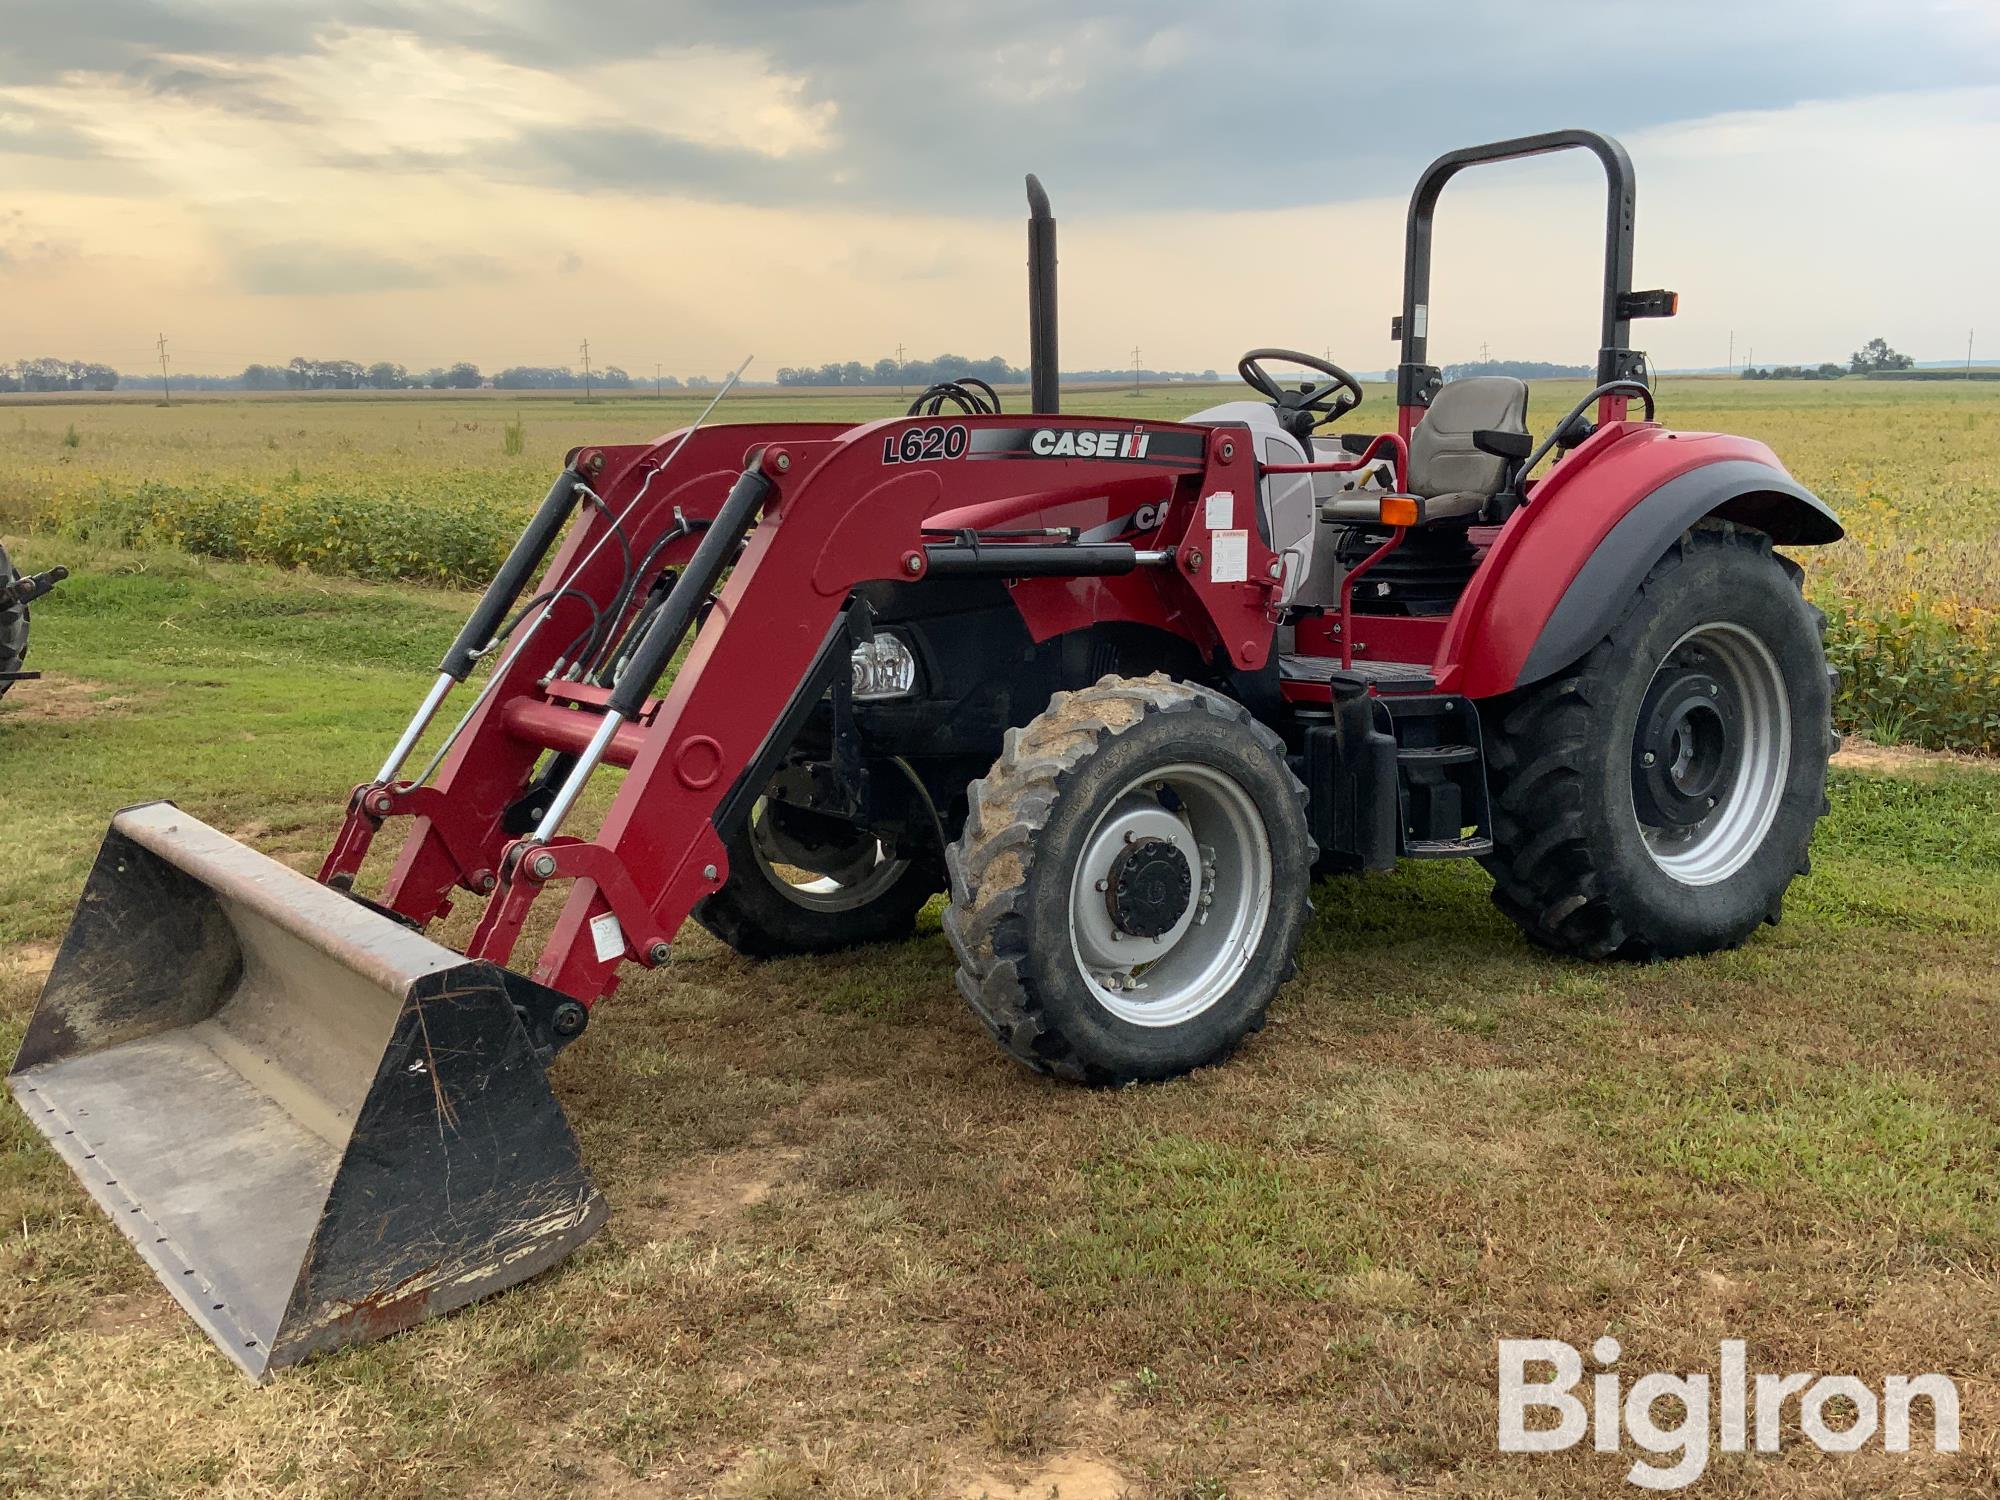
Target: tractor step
1437, 755
1440, 776
1459, 848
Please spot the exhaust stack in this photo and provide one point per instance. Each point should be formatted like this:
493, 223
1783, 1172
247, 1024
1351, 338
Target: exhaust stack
1044, 396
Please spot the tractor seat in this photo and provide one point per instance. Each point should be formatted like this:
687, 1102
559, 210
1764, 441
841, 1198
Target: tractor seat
1450, 476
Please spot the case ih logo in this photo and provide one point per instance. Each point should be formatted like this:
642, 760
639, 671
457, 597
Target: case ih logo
1051, 443
1167, 446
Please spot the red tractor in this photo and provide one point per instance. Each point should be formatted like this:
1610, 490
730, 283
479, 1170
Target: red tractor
1125, 688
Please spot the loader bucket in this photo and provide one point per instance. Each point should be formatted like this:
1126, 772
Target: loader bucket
317, 1125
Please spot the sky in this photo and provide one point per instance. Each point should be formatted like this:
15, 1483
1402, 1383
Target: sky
684, 182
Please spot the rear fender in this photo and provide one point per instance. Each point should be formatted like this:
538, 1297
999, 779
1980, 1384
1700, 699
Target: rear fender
1567, 565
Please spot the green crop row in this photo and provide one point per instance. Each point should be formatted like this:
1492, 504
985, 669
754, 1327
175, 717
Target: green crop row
441, 535
1917, 673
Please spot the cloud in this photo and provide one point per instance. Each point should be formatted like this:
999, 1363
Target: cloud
29, 131
1138, 105
1124, 105
811, 176
23, 244
304, 269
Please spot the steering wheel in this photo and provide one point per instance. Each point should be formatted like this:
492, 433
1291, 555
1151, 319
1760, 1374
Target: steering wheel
1315, 404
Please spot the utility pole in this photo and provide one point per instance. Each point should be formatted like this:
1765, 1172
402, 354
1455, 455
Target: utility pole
1484, 358
1732, 351
1968, 354
1135, 369
585, 349
899, 368
658, 389
166, 390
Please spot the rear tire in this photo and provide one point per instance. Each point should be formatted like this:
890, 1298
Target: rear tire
1130, 887
1717, 673
13, 626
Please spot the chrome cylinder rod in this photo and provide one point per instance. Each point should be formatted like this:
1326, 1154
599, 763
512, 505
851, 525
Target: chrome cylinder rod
631, 506
578, 778
486, 689
419, 722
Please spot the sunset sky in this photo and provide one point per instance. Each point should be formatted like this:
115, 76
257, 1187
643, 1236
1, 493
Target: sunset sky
685, 183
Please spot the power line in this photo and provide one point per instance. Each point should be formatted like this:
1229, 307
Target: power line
585, 349
166, 390
1135, 369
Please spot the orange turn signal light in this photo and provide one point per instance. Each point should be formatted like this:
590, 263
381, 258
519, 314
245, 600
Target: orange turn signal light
1400, 510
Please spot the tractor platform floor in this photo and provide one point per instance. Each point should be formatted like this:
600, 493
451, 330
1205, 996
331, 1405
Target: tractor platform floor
1385, 676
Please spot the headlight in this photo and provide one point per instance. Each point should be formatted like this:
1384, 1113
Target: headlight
883, 668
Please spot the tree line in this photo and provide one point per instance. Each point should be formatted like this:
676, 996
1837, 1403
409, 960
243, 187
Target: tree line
1520, 369
350, 375
384, 375
1873, 358
994, 370
57, 375
917, 372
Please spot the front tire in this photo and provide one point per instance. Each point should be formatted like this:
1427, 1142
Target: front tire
804, 884
1130, 886
1658, 797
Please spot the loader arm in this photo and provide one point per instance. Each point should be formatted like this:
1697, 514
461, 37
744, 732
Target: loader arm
838, 516
461, 812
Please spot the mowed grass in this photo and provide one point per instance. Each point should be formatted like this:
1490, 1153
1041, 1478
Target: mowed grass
855, 1252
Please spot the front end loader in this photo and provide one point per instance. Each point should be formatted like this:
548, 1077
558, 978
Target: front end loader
1124, 687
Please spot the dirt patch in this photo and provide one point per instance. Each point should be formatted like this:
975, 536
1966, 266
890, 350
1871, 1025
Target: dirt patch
713, 1192
27, 960
59, 699
120, 1312
1903, 760
1070, 1476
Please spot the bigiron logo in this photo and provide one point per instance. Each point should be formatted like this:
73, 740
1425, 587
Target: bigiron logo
1050, 443
1835, 1413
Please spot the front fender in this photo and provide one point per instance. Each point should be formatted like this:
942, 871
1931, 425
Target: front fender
1555, 584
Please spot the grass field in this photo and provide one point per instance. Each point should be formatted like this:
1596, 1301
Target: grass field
854, 1252
433, 487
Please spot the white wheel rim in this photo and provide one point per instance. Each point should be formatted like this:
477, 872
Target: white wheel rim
1215, 826
816, 892
1754, 762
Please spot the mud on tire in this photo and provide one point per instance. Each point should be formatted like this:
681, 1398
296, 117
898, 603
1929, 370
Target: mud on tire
1567, 767
1138, 754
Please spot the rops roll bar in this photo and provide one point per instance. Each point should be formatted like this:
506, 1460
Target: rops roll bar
1417, 380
